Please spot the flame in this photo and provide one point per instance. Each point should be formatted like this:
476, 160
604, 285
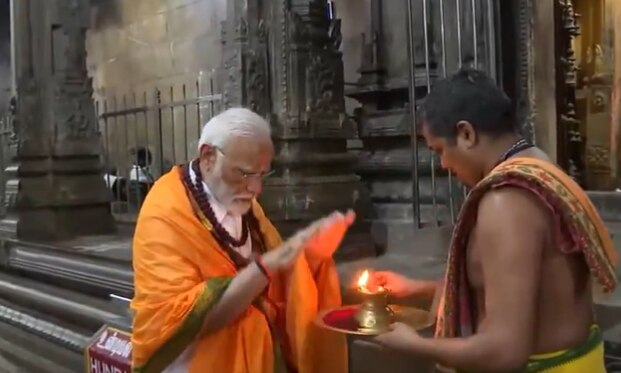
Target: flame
364, 278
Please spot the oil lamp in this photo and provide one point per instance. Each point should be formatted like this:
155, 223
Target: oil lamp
374, 315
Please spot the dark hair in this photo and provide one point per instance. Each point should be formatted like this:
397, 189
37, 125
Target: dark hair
468, 95
143, 156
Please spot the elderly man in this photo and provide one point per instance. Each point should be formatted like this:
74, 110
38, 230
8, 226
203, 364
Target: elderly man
216, 290
526, 246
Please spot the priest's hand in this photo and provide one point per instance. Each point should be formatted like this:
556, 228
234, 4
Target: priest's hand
400, 337
401, 286
328, 237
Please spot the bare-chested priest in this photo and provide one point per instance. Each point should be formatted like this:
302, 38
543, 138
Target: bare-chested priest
526, 247
216, 290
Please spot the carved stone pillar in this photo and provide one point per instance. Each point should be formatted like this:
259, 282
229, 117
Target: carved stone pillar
387, 161
571, 151
61, 192
546, 81
524, 71
282, 60
536, 106
246, 60
8, 223
385, 129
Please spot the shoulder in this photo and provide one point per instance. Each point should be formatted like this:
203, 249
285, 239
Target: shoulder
167, 197
167, 219
511, 218
515, 204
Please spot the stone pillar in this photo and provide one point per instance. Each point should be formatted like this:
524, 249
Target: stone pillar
282, 60
13, 47
385, 124
535, 73
385, 128
61, 192
571, 152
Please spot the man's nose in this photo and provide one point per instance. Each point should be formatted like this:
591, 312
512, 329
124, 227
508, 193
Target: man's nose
255, 184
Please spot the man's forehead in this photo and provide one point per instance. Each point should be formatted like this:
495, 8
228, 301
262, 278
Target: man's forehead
243, 143
424, 129
429, 137
248, 149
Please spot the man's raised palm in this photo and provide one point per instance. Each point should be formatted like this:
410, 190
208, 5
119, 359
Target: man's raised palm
328, 237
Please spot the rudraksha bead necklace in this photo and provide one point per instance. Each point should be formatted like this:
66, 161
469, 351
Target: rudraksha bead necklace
250, 223
202, 199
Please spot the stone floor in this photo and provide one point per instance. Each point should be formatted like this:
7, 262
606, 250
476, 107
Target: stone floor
6, 366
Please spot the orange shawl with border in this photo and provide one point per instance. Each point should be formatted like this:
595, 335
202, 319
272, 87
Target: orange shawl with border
579, 221
179, 274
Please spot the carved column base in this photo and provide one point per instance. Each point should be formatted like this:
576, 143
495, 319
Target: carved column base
8, 224
62, 195
63, 223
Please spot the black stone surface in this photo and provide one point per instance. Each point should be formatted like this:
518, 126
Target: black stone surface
612, 356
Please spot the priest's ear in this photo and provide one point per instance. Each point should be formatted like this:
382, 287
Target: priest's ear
207, 155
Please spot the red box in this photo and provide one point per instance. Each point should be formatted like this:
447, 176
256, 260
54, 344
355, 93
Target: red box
110, 351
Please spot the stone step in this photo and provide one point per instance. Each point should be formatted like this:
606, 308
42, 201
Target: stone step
21, 351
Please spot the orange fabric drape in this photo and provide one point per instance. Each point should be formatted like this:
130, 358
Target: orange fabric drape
180, 271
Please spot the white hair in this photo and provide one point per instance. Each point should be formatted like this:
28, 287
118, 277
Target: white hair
234, 122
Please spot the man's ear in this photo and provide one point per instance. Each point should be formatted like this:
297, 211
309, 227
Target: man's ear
466, 134
207, 155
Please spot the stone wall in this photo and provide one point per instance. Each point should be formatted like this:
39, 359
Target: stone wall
356, 21
137, 46
142, 43
5, 57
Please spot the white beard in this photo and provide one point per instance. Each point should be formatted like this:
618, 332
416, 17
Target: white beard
236, 205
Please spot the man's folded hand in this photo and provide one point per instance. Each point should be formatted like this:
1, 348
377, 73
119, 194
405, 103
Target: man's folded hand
327, 239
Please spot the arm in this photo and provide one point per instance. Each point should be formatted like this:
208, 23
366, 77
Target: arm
245, 287
508, 238
422, 288
166, 276
403, 287
250, 282
183, 287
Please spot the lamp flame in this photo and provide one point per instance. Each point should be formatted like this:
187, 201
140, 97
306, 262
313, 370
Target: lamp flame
364, 278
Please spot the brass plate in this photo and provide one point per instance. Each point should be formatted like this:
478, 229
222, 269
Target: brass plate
342, 320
